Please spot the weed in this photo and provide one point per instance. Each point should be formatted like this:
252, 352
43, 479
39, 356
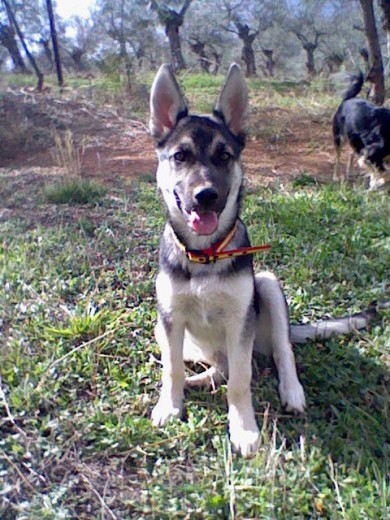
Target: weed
74, 191
304, 180
65, 154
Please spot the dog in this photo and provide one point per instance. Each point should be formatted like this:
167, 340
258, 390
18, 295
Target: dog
366, 127
211, 306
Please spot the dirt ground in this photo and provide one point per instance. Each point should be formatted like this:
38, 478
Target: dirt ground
110, 144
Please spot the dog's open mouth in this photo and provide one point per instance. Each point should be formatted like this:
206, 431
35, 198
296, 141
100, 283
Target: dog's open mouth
203, 222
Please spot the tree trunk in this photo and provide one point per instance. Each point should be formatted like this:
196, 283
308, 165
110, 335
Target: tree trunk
7, 40
77, 56
53, 34
247, 54
126, 61
310, 64
46, 49
375, 74
217, 60
30, 57
385, 6
172, 32
172, 21
198, 48
123, 48
269, 61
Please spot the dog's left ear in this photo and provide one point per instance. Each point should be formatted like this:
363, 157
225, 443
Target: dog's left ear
232, 102
167, 104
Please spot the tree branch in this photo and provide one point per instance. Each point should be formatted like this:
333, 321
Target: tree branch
186, 5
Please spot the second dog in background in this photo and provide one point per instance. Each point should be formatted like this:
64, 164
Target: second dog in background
366, 128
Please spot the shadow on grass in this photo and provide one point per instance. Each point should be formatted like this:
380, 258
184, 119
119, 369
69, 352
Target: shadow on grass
347, 395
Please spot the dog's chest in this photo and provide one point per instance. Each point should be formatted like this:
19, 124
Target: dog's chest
205, 302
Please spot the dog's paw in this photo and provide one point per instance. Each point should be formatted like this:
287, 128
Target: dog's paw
164, 411
292, 397
245, 441
244, 433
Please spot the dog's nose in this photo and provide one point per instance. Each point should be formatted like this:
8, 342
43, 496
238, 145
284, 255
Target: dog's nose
206, 196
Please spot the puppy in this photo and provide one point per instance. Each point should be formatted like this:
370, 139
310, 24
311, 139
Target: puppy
212, 308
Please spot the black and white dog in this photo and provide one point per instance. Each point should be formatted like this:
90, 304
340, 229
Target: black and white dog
366, 127
212, 308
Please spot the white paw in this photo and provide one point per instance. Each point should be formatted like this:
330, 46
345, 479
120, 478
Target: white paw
244, 433
292, 397
164, 410
245, 441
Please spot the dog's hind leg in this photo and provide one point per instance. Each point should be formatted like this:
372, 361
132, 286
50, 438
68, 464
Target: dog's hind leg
350, 175
337, 166
272, 338
217, 362
337, 141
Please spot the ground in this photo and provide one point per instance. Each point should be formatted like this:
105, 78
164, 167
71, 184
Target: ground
282, 144
79, 364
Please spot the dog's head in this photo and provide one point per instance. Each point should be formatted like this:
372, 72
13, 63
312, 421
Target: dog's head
199, 172
374, 148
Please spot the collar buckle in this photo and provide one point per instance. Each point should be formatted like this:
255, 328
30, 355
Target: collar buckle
200, 257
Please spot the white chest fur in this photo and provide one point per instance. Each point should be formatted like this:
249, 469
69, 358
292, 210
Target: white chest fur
207, 307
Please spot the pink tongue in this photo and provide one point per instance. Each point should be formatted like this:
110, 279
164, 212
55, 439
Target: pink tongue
204, 222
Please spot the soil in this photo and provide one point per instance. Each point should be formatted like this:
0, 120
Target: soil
111, 145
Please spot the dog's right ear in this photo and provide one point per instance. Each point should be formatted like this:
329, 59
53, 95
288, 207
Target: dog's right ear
167, 104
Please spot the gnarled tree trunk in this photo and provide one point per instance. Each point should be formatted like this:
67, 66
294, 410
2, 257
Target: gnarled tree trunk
172, 21
375, 74
269, 61
247, 54
30, 57
7, 40
199, 48
172, 26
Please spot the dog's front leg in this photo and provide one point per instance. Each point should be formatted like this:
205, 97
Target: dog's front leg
244, 433
170, 336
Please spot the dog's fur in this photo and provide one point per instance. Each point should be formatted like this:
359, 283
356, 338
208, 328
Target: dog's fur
219, 312
366, 127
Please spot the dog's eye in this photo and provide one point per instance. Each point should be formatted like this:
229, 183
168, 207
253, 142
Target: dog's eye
179, 156
224, 156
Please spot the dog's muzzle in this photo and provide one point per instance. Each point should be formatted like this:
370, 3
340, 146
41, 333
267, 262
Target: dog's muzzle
206, 197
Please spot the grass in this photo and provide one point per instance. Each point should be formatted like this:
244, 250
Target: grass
74, 190
79, 370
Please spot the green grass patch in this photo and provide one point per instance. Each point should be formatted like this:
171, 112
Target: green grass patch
80, 372
74, 191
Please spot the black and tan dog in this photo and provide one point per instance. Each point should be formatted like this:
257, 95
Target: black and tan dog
366, 128
212, 308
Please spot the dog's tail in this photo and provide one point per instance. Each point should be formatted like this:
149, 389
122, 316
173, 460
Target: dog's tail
355, 87
335, 327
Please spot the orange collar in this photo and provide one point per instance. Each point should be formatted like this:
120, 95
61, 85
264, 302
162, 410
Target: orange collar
216, 251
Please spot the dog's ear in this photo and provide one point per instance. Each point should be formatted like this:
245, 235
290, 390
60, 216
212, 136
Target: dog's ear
232, 102
167, 104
